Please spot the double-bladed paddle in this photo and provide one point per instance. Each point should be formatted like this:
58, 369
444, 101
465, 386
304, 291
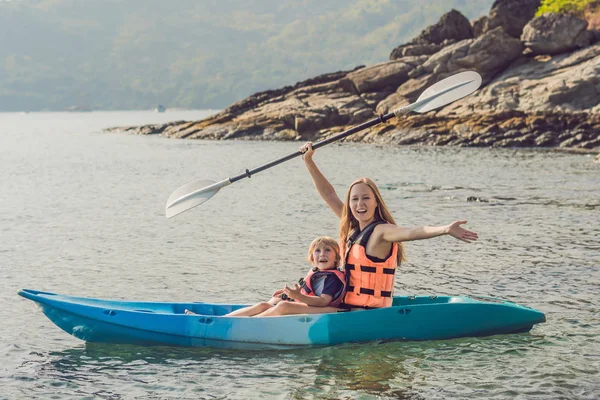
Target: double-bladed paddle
441, 93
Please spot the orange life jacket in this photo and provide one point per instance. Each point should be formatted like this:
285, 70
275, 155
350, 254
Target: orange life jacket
370, 282
312, 285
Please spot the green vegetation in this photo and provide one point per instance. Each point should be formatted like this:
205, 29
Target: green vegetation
135, 54
576, 7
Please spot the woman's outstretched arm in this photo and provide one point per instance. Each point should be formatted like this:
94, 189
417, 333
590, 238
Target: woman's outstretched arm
393, 233
323, 186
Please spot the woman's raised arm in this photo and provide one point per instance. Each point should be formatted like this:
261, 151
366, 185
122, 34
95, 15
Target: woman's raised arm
323, 186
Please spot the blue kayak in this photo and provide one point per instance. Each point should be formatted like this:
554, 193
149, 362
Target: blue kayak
161, 323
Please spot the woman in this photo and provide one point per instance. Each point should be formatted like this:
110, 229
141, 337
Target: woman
370, 238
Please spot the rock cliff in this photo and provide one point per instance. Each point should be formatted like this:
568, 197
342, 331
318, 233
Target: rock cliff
541, 88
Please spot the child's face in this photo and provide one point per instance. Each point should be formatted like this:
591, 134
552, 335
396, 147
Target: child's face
324, 257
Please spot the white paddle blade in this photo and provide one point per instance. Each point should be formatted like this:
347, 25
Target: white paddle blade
191, 195
448, 90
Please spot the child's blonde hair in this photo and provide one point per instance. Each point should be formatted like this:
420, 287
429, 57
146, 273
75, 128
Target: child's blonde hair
328, 241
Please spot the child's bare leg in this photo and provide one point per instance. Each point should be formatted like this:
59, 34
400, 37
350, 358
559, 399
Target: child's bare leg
289, 308
249, 311
252, 310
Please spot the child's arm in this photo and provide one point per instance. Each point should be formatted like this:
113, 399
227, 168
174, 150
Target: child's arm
393, 233
316, 301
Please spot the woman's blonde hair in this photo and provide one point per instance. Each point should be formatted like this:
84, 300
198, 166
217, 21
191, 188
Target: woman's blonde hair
349, 224
328, 241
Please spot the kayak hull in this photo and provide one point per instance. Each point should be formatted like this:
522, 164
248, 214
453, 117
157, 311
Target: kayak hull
162, 323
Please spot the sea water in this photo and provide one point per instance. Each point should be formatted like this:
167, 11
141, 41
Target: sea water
82, 213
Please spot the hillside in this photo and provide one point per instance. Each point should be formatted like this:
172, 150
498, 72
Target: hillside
117, 54
541, 88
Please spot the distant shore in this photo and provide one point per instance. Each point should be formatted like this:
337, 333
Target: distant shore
541, 89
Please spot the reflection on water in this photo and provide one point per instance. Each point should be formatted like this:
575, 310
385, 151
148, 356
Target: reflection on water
372, 368
382, 369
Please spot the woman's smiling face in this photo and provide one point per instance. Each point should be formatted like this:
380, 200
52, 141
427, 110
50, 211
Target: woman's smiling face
363, 203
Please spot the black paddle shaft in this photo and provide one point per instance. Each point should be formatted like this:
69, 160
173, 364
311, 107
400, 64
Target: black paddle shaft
376, 121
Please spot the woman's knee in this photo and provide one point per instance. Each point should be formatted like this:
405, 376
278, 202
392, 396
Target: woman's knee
283, 307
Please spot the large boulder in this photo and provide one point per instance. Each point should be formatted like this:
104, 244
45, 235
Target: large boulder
512, 15
390, 74
418, 49
564, 83
488, 54
556, 33
452, 27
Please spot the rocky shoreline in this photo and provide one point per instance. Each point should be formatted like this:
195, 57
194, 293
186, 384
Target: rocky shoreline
541, 88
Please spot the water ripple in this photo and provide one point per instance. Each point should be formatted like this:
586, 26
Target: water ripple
99, 231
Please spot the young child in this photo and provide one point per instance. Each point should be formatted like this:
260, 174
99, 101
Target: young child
323, 286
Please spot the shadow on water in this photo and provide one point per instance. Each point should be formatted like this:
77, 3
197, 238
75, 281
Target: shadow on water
381, 369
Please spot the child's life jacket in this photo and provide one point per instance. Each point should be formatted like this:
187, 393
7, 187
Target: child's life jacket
314, 283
